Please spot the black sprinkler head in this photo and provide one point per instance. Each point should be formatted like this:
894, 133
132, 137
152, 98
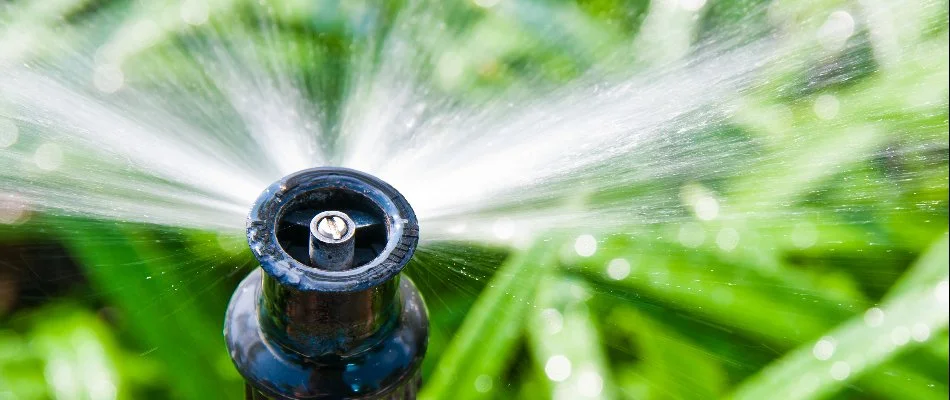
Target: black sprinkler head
327, 315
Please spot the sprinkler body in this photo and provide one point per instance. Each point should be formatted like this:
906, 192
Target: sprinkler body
327, 316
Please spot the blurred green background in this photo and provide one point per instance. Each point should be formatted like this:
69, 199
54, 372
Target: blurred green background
839, 293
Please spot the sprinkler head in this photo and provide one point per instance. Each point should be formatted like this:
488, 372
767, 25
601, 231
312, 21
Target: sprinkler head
327, 315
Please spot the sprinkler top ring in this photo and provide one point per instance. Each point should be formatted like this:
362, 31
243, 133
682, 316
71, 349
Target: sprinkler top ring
282, 224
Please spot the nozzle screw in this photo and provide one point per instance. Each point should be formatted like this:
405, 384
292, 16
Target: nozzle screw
333, 227
332, 241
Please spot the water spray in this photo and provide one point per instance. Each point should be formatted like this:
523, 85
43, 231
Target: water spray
327, 315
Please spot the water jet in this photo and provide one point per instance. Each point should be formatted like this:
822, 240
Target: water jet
327, 314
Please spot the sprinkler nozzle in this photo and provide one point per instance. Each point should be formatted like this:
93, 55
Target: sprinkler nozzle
332, 241
328, 315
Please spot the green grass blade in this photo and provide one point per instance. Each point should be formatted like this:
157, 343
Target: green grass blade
566, 343
185, 338
855, 347
486, 340
671, 365
928, 269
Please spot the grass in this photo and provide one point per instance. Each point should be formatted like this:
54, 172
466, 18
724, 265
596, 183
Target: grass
824, 274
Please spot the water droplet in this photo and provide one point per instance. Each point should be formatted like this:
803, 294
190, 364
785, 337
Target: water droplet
900, 335
727, 239
826, 106
873, 317
941, 292
48, 157
13, 209
553, 321
585, 245
707, 208
691, 234
824, 348
483, 383
557, 368
836, 30
840, 370
590, 383
9, 133
618, 269
920, 332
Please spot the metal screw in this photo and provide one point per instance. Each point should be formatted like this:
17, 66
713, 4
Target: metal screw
333, 227
332, 241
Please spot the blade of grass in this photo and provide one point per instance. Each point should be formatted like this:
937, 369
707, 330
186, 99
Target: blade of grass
565, 341
895, 381
928, 269
763, 309
672, 365
856, 346
121, 263
80, 353
486, 340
